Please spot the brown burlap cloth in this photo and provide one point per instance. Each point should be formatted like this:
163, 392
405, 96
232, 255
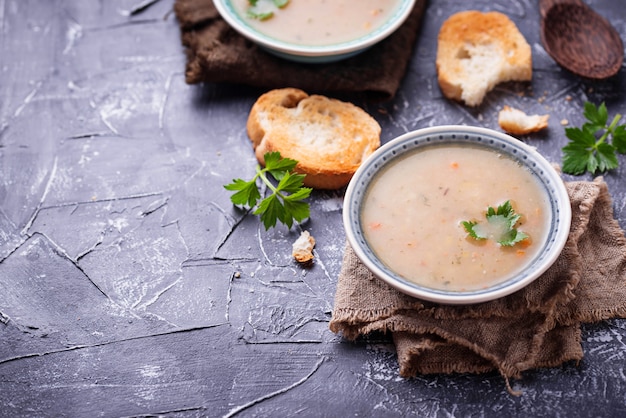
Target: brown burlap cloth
538, 326
217, 53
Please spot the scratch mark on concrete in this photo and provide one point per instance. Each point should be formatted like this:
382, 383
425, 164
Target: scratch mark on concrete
105, 343
43, 197
88, 135
168, 86
233, 227
92, 248
27, 100
206, 262
273, 342
140, 7
157, 296
262, 247
243, 407
326, 274
155, 207
125, 24
164, 413
229, 297
74, 33
60, 251
104, 200
14, 249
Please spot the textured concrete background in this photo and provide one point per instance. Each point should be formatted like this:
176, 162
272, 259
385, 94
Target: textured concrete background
130, 286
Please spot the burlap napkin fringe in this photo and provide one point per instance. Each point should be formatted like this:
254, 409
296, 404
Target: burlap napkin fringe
483, 361
504, 367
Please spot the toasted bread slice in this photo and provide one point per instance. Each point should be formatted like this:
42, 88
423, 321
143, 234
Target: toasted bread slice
476, 51
515, 121
329, 138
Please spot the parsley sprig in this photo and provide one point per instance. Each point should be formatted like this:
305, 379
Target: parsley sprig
595, 145
285, 203
501, 224
263, 10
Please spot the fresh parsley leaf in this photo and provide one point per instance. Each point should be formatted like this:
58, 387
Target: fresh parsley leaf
619, 139
500, 226
270, 211
262, 10
246, 192
285, 203
512, 237
596, 115
291, 183
595, 145
259, 15
469, 228
299, 210
278, 166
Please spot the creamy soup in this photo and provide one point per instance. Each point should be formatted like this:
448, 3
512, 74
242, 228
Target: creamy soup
413, 212
317, 22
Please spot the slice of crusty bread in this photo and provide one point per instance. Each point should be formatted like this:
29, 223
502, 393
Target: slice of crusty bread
515, 121
329, 138
476, 51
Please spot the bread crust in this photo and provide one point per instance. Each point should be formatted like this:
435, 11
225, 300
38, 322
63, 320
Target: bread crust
476, 51
329, 138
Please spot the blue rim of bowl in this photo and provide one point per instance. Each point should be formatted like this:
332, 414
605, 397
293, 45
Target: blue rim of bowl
348, 48
547, 175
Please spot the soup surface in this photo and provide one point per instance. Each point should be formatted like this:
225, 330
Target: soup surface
318, 22
413, 212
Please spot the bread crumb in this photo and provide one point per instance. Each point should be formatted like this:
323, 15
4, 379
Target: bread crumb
302, 249
515, 121
564, 122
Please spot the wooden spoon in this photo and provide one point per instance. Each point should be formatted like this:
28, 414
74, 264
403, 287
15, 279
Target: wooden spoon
579, 39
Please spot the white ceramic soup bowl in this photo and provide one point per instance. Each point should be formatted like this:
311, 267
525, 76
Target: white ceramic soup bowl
557, 205
304, 53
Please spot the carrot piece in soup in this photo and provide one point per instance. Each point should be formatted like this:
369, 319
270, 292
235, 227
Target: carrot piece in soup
375, 225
